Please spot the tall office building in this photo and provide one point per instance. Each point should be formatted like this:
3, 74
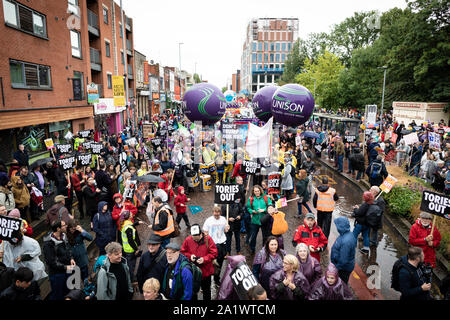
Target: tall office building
267, 45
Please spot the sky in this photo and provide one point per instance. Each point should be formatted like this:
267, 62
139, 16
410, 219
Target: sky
213, 32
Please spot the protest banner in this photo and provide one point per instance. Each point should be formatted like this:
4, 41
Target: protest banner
131, 141
49, 143
64, 148
225, 193
388, 184
243, 279
130, 187
250, 167
84, 133
118, 91
67, 163
411, 138
84, 159
87, 144
96, 147
436, 204
349, 138
10, 228
394, 138
281, 203
434, 139
273, 182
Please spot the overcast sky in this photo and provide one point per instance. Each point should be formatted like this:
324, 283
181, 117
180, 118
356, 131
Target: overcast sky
213, 31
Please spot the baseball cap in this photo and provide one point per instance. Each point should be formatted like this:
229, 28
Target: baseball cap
195, 230
310, 215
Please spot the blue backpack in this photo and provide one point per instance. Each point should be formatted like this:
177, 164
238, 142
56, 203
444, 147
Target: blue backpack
375, 170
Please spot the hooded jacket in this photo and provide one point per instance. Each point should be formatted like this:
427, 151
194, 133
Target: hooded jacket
21, 193
205, 248
180, 199
104, 228
57, 210
313, 236
226, 289
323, 291
417, 236
383, 173
107, 282
127, 205
310, 268
14, 293
57, 253
343, 250
279, 291
182, 280
7, 198
263, 269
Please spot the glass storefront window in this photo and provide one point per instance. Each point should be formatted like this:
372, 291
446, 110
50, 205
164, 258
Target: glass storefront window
32, 138
58, 130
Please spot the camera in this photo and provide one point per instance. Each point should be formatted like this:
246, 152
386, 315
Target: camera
427, 271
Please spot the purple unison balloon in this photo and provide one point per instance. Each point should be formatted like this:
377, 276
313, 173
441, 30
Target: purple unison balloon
204, 102
262, 103
292, 105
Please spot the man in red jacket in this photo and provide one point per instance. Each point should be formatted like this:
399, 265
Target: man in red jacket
311, 234
201, 249
420, 236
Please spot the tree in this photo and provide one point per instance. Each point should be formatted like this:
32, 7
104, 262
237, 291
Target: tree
325, 70
293, 64
197, 78
224, 89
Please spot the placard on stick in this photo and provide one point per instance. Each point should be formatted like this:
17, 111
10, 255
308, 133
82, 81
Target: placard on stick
243, 279
64, 148
250, 167
84, 133
273, 183
435, 203
49, 143
84, 159
96, 147
225, 193
67, 163
388, 183
9, 228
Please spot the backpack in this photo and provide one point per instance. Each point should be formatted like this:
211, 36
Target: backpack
396, 273
264, 197
375, 170
373, 216
279, 225
196, 275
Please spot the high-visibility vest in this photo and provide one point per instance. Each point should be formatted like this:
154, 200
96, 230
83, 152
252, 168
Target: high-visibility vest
125, 244
170, 228
325, 201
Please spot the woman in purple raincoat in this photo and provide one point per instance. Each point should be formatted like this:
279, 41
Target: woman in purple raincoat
289, 283
308, 265
226, 290
330, 287
268, 261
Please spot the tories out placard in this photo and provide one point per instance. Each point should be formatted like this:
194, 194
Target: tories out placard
225, 193
435, 203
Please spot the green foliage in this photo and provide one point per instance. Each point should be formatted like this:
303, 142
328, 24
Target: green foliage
401, 200
224, 89
197, 78
325, 70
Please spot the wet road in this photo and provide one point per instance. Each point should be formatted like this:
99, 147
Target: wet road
378, 264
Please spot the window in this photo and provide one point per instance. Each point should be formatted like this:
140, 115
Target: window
272, 46
121, 57
76, 43
253, 46
260, 46
260, 67
289, 46
23, 18
120, 30
105, 15
29, 75
73, 7
271, 57
283, 57
253, 67
9, 10
283, 46
261, 78
107, 49
109, 80
266, 57
254, 78
278, 46
277, 57
253, 57
78, 85
259, 57
266, 46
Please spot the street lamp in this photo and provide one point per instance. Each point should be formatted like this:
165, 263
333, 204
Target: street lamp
179, 53
382, 98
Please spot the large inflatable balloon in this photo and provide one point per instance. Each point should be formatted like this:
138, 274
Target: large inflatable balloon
292, 105
262, 102
204, 102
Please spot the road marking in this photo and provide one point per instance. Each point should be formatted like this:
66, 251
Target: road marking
321, 176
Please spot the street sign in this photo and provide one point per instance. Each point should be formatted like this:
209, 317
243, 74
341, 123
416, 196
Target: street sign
118, 91
92, 91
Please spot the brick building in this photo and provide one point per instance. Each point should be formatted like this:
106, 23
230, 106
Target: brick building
48, 55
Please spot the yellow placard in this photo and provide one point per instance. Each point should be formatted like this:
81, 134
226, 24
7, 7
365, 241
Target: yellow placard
118, 91
49, 143
388, 183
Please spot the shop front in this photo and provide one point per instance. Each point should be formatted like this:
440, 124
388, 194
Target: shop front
108, 118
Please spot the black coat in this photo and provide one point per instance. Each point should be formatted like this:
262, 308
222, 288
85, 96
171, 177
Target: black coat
410, 282
234, 210
6, 276
357, 161
90, 198
148, 268
57, 254
13, 293
22, 157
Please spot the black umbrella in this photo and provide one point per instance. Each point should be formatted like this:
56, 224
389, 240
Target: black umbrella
150, 178
405, 131
40, 162
291, 130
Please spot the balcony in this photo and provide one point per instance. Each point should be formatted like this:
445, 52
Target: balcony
93, 23
128, 24
130, 72
129, 48
96, 62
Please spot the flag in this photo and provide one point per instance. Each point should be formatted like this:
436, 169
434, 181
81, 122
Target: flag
258, 144
195, 209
